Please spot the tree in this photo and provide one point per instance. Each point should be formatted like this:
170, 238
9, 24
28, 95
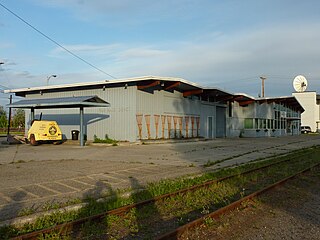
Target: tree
3, 118
18, 118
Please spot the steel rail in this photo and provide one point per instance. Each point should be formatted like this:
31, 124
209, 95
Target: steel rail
64, 227
175, 234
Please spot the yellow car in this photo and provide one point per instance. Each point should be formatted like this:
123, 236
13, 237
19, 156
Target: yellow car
44, 131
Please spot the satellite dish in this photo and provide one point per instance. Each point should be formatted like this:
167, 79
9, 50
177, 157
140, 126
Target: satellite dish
300, 83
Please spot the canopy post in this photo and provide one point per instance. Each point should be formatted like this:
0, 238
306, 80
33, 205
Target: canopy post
32, 114
9, 118
81, 127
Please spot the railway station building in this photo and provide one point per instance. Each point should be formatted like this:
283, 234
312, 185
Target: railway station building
153, 107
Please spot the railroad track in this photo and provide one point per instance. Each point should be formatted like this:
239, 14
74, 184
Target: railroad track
73, 226
175, 234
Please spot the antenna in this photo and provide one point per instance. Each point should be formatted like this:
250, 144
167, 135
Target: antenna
300, 83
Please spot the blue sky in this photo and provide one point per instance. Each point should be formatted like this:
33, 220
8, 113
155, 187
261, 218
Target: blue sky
224, 44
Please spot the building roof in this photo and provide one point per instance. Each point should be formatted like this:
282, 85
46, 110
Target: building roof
65, 102
153, 83
145, 83
286, 100
106, 83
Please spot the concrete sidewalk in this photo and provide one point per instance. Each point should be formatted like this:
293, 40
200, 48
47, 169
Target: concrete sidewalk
33, 177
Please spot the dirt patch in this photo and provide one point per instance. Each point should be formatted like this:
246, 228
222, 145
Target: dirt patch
290, 212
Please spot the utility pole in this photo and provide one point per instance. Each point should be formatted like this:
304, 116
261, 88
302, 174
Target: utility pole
262, 85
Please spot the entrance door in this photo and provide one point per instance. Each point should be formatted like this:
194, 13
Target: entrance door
210, 127
221, 122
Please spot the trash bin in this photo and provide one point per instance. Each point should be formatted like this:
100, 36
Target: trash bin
75, 134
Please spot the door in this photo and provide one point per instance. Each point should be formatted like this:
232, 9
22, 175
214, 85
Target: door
221, 122
210, 127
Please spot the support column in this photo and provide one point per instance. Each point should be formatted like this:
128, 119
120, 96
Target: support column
9, 118
81, 127
32, 114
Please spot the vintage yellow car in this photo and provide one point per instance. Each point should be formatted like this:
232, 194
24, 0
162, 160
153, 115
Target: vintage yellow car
44, 131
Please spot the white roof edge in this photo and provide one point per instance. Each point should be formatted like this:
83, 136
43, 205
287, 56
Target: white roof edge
262, 98
244, 94
275, 97
106, 82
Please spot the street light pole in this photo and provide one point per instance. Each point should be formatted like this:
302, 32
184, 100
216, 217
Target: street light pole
48, 78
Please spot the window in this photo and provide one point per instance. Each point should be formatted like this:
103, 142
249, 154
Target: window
256, 123
269, 124
264, 123
260, 123
248, 123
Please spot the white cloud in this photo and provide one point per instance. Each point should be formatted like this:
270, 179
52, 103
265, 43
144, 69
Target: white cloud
274, 52
86, 49
141, 52
232, 62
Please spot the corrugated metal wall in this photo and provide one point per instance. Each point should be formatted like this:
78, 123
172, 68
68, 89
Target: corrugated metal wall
118, 120
133, 110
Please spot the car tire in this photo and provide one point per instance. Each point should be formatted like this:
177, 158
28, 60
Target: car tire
33, 141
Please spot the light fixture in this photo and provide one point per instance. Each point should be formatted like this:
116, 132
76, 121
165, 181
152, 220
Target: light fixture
48, 78
104, 88
162, 84
126, 86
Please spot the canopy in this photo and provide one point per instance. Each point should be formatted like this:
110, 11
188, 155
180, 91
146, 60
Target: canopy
64, 102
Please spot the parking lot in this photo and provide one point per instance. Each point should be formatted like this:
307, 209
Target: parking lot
34, 176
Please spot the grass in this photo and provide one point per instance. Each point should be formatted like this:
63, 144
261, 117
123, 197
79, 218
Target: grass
210, 163
106, 140
26, 211
183, 206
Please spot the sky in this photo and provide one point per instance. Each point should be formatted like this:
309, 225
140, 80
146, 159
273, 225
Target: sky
225, 44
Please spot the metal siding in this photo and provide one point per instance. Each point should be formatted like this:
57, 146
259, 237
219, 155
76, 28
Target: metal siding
118, 121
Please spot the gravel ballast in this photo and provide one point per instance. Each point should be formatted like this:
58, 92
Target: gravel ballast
291, 211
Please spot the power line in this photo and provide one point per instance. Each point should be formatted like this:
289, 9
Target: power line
55, 42
3, 87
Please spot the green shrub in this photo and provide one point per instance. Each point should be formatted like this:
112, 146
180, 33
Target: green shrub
106, 140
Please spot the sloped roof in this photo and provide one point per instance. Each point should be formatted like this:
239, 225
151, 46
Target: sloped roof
145, 83
64, 102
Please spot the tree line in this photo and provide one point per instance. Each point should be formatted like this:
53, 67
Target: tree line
17, 118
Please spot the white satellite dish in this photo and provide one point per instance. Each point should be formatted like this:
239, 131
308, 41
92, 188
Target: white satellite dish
300, 83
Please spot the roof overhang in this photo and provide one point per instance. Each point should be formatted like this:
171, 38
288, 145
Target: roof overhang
65, 102
289, 101
243, 99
